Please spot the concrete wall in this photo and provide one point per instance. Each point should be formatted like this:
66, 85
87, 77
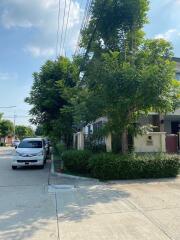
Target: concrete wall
108, 141
80, 140
150, 142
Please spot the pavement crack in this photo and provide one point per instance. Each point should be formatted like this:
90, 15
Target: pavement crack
58, 237
155, 223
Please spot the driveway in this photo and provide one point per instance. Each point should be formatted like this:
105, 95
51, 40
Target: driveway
71, 209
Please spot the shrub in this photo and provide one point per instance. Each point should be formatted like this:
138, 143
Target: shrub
58, 149
111, 166
76, 160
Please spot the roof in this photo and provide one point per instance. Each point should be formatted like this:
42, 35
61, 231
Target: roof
32, 139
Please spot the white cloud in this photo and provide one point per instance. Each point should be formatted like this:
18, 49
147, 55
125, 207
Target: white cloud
41, 15
37, 51
169, 35
4, 76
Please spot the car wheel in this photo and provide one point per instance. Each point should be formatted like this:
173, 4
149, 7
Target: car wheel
14, 167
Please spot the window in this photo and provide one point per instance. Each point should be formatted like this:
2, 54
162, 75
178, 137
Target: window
30, 144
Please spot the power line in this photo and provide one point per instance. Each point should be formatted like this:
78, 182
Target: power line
62, 31
9, 107
16, 116
67, 22
85, 20
57, 41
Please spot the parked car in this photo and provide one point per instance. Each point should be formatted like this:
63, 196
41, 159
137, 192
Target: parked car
47, 145
30, 152
15, 143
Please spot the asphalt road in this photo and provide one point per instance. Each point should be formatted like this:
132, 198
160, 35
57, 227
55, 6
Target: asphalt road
27, 211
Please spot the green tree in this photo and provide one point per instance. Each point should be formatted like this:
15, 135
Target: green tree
125, 75
39, 131
6, 128
24, 131
48, 100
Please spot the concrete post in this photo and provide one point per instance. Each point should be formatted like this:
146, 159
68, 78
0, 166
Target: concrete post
80, 141
108, 141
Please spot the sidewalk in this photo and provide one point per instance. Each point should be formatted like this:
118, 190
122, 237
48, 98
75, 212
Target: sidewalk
143, 210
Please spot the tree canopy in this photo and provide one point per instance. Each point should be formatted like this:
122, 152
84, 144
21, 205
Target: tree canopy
6, 128
23, 131
125, 74
47, 98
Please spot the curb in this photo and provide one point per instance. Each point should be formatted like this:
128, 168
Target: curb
53, 172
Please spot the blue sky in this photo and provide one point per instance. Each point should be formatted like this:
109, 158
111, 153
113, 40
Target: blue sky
28, 38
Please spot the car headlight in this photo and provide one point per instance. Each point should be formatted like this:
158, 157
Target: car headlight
17, 154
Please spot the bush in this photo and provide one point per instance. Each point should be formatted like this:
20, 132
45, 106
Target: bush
58, 149
109, 166
76, 161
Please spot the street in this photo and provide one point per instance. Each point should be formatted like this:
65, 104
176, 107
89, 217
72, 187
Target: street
27, 211
35, 205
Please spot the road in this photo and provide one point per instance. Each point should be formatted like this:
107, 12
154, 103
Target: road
35, 205
27, 211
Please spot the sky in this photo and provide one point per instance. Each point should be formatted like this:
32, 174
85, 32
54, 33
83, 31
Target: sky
28, 36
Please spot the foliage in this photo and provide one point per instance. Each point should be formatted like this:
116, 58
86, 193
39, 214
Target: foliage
123, 92
6, 128
118, 25
110, 166
24, 131
76, 160
125, 75
39, 131
59, 148
47, 98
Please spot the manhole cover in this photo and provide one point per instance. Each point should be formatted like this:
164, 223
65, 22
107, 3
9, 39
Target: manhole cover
60, 188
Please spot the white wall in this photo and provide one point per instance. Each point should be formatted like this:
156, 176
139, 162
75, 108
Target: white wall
150, 142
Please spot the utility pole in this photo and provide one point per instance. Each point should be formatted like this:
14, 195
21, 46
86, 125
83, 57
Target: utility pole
14, 125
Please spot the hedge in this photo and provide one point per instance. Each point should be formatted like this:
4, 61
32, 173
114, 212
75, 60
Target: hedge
112, 167
108, 166
76, 161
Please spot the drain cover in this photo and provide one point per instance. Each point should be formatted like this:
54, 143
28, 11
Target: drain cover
60, 188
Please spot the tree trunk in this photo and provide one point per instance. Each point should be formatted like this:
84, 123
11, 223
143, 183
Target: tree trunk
124, 142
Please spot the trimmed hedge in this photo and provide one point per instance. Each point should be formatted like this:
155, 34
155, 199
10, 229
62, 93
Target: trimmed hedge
108, 166
112, 167
76, 161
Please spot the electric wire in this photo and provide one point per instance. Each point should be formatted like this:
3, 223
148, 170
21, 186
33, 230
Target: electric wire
57, 40
63, 23
67, 24
85, 19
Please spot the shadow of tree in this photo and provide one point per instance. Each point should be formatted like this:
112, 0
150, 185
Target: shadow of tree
27, 211
84, 201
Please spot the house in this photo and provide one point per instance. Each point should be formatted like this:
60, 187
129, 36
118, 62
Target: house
165, 138
8, 140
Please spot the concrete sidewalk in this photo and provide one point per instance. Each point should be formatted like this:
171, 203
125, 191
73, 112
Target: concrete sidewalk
142, 210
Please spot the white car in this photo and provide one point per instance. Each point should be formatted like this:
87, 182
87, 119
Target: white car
15, 143
30, 152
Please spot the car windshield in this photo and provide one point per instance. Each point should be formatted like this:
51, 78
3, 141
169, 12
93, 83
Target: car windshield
30, 144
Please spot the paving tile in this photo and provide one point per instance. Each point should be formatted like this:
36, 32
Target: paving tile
168, 220
121, 226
